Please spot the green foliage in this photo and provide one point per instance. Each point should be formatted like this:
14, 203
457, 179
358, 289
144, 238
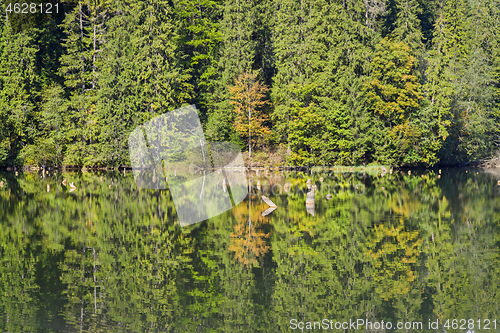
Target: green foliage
393, 92
141, 78
50, 144
403, 82
235, 55
200, 37
407, 28
248, 98
18, 95
111, 258
30, 16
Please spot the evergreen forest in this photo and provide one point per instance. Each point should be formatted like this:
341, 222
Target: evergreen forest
323, 82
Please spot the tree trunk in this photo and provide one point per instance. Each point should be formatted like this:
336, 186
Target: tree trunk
83, 58
249, 135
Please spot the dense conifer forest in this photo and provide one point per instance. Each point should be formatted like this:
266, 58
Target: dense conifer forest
399, 82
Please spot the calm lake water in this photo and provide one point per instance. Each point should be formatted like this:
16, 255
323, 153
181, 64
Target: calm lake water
106, 257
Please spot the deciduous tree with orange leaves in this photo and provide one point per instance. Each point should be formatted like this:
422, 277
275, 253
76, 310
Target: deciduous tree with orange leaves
248, 96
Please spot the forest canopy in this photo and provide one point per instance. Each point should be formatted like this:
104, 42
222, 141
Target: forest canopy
397, 82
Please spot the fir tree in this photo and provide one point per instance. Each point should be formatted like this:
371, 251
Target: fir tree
394, 95
407, 27
200, 37
299, 56
18, 81
84, 29
237, 54
141, 78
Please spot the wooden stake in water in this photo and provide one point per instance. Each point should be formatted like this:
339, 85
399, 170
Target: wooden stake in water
310, 205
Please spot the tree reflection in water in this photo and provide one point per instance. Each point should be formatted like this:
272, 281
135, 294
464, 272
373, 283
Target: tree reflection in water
115, 259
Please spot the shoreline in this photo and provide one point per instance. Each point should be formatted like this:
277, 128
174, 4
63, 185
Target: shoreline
490, 164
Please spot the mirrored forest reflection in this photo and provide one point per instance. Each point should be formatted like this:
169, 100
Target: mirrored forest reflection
107, 257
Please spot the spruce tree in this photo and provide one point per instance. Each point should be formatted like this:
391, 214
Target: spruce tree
236, 56
321, 58
299, 55
199, 37
18, 81
84, 29
460, 79
407, 27
141, 78
50, 143
351, 133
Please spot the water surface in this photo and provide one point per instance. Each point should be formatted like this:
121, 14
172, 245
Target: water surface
108, 257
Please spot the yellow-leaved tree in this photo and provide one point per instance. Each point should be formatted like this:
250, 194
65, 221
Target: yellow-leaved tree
248, 98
